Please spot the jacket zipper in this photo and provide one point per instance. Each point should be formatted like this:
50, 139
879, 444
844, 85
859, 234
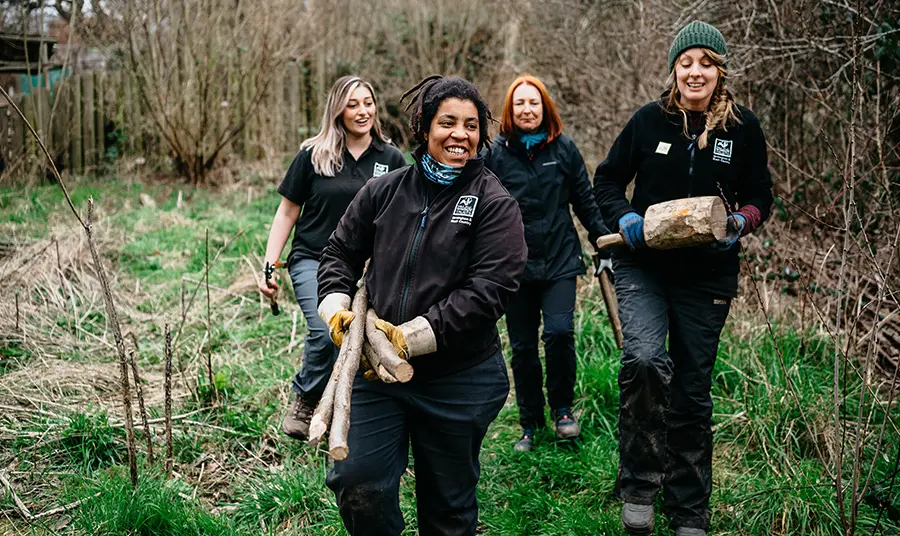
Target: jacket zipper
411, 258
692, 148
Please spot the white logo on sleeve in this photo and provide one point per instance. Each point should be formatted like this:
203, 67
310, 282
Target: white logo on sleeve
380, 169
663, 148
722, 151
465, 209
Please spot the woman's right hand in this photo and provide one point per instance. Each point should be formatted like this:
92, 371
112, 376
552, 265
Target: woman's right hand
268, 288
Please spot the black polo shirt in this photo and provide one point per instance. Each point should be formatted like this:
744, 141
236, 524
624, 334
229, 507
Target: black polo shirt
324, 199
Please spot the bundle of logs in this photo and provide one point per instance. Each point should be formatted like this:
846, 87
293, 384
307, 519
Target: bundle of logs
363, 341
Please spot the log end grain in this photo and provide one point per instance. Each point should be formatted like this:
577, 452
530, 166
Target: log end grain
339, 453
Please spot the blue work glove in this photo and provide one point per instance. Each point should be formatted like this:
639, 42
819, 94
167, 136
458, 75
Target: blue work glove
735, 227
631, 226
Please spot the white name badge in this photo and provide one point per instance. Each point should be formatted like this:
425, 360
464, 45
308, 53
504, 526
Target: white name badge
663, 148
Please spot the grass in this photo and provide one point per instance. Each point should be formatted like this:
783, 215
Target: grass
235, 473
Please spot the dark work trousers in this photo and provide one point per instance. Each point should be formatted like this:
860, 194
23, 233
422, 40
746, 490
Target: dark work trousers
556, 300
319, 353
665, 435
445, 420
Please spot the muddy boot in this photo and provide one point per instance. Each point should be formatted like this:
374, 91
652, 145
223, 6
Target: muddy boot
566, 425
296, 422
526, 442
689, 531
637, 518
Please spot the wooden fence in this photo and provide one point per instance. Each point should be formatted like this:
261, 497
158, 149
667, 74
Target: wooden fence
94, 117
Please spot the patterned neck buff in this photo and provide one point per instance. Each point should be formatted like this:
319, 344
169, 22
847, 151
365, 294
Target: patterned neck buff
439, 173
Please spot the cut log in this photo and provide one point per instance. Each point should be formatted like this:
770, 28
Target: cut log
679, 223
377, 366
322, 416
383, 352
353, 345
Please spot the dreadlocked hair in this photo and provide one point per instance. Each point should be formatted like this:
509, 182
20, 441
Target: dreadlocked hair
722, 110
427, 96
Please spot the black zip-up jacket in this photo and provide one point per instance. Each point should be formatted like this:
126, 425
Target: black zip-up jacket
453, 255
544, 186
653, 150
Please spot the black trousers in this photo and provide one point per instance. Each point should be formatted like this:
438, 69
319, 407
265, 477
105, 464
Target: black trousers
665, 435
445, 420
556, 300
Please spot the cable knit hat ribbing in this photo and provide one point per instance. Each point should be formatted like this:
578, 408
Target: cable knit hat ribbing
697, 34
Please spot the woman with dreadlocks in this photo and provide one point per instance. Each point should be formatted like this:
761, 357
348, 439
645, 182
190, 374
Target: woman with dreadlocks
543, 169
447, 251
694, 141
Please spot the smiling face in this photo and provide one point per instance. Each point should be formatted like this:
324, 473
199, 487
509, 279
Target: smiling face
359, 114
696, 76
453, 135
527, 108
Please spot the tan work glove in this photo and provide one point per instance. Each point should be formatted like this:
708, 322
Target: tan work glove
366, 365
396, 336
339, 324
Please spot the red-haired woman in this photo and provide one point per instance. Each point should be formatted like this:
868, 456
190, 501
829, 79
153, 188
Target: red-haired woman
543, 169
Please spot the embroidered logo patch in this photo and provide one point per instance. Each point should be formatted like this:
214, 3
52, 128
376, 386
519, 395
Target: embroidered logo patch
722, 151
663, 148
465, 209
380, 169
549, 163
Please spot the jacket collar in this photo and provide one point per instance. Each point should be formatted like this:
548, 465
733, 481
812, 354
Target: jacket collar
514, 144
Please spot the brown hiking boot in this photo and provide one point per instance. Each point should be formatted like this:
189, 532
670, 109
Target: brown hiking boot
296, 422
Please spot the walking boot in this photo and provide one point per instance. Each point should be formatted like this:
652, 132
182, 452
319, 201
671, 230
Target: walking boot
566, 425
637, 518
296, 423
526, 442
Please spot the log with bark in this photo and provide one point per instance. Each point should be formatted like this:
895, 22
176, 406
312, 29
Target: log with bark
332, 414
382, 351
341, 381
679, 223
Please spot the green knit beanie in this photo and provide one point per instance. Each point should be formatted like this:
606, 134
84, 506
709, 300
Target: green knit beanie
697, 34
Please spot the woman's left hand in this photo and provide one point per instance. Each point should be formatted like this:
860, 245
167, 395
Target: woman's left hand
735, 227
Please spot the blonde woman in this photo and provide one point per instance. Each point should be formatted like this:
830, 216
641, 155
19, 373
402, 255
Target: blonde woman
694, 141
324, 177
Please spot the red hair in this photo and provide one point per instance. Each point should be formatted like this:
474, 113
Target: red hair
551, 120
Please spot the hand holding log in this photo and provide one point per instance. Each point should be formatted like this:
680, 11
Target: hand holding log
679, 223
383, 352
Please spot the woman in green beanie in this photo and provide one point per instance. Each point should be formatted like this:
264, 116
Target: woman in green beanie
694, 141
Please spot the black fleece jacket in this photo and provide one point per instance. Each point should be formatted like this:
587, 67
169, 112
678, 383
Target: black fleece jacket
453, 255
545, 185
665, 164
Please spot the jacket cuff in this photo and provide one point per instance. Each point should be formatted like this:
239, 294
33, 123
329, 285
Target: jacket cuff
419, 336
333, 303
618, 216
752, 218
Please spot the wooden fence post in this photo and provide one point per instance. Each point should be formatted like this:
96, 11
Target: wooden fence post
4, 136
76, 148
62, 121
100, 85
292, 139
276, 112
17, 143
88, 121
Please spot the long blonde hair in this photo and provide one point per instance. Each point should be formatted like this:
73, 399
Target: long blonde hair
328, 145
722, 108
